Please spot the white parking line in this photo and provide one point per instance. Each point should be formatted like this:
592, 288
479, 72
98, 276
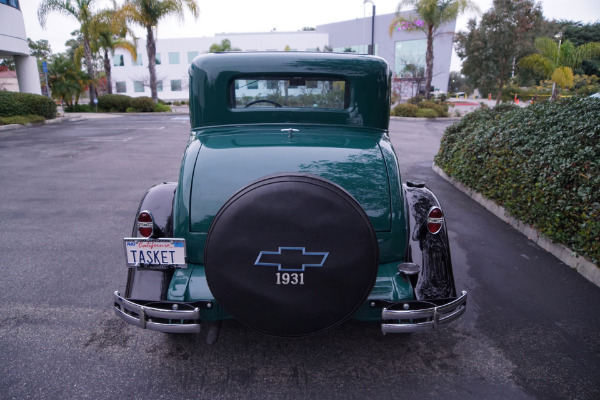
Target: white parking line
120, 129
111, 140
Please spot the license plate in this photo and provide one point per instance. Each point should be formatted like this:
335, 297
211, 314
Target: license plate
155, 252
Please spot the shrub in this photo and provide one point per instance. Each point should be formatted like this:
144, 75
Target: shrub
426, 113
79, 108
441, 109
541, 163
22, 119
114, 102
416, 100
142, 104
15, 103
504, 107
405, 110
162, 108
523, 94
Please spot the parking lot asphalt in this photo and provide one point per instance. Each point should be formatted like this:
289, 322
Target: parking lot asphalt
68, 196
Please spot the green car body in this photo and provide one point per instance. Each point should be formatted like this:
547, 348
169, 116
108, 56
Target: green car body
274, 126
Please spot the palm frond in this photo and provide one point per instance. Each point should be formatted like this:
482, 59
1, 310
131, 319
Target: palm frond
538, 63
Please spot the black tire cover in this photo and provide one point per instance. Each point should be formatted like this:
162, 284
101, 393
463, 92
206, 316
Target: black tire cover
291, 255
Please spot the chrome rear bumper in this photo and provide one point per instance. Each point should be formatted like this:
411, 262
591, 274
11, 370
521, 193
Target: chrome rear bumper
424, 315
157, 319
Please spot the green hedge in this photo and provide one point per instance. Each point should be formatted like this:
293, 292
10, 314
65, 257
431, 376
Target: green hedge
22, 120
423, 109
114, 102
426, 113
122, 103
142, 104
541, 163
15, 103
405, 110
79, 108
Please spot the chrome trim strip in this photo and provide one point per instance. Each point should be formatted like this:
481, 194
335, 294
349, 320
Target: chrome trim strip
145, 314
435, 315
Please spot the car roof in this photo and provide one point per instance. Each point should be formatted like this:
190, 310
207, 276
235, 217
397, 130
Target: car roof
212, 74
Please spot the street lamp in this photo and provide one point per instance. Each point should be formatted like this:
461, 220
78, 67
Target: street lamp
372, 45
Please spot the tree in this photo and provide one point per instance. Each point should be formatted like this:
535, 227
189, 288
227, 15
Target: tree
557, 60
457, 83
225, 45
429, 16
108, 34
147, 14
82, 11
579, 34
66, 81
489, 51
40, 49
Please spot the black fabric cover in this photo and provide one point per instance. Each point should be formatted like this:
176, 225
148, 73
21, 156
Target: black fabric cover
291, 224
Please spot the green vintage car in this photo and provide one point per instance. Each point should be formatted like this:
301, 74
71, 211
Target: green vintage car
290, 214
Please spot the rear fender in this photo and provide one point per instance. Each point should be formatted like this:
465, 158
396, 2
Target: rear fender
430, 251
146, 284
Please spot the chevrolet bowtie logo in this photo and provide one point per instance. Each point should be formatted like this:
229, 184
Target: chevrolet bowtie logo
291, 259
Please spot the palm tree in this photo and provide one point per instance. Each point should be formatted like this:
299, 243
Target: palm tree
430, 15
110, 33
83, 12
224, 46
557, 60
66, 81
147, 13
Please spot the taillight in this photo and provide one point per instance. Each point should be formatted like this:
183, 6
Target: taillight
145, 224
435, 219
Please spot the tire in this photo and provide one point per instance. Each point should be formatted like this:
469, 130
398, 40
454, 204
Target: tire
291, 255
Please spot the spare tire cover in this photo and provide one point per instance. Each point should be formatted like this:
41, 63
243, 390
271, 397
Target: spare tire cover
291, 255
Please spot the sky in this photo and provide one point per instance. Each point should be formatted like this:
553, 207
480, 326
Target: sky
238, 16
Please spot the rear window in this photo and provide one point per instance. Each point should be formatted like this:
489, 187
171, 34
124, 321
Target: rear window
293, 92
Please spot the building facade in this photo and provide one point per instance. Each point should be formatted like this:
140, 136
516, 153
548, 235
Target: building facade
404, 52
13, 43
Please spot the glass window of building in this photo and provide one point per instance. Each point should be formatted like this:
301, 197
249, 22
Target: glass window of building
159, 86
176, 85
157, 58
138, 86
410, 58
118, 60
173, 58
12, 3
138, 61
191, 55
121, 87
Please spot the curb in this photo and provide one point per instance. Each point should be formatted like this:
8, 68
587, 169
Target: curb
589, 270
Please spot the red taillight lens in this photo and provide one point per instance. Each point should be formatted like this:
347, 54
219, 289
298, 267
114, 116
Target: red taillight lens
145, 224
435, 219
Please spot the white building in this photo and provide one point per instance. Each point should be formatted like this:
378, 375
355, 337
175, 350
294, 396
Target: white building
13, 43
173, 57
400, 50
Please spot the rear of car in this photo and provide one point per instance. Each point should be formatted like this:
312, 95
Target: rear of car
289, 211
